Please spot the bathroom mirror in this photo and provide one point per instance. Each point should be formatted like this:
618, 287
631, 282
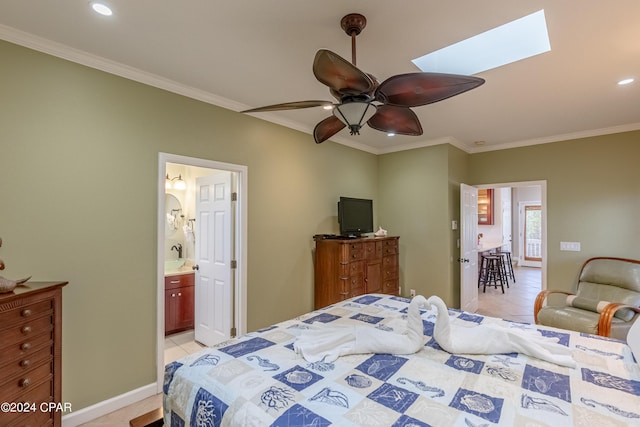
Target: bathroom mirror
173, 215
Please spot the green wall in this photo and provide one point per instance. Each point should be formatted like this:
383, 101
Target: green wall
593, 196
78, 184
414, 195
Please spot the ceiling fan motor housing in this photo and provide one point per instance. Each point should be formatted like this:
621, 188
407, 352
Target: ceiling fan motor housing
353, 23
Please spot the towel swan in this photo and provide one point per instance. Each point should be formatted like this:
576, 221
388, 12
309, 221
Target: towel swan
325, 342
494, 339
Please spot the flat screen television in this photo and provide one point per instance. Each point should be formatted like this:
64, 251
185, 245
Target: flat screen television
355, 216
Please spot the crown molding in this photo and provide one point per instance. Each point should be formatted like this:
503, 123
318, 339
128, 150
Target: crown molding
59, 50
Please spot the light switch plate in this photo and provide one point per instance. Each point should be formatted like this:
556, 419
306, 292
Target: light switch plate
570, 246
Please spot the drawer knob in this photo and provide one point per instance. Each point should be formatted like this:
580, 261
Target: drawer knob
173, 282
25, 363
179, 294
24, 382
173, 295
26, 329
25, 313
25, 346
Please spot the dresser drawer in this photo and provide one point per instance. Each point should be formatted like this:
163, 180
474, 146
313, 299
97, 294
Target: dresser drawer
23, 364
390, 287
19, 387
356, 282
390, 247
25, 312
178, 281
38, 394
390, 263
37, 419
25, 350
356, 267
373, 250
19, 332
356, 255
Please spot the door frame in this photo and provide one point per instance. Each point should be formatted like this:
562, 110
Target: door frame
521, 231
543, 207
240, 252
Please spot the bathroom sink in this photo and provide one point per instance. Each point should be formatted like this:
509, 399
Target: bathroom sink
173, 264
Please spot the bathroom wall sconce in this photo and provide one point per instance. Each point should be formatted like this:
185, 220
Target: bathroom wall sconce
179, 183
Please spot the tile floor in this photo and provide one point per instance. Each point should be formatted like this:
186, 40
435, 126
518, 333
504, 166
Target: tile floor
515, 304
180, 345
517, 301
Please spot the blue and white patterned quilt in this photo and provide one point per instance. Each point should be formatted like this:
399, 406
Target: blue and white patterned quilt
259, 380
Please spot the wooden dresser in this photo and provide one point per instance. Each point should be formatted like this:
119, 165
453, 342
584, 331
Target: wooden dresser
179, 301
345, 268
31, 352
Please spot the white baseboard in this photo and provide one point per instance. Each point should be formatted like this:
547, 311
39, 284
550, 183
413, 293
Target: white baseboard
106, 406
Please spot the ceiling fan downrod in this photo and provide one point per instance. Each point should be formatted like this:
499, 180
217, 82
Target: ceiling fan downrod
353, 24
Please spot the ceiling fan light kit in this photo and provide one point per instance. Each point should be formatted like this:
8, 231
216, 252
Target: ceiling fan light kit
362, 99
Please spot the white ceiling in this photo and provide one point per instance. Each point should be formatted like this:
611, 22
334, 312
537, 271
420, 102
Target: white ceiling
242, 54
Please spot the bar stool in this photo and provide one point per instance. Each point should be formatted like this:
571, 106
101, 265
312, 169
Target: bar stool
491, 272
508, 264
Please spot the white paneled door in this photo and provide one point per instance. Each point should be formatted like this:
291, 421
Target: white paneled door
213, 254
468, 248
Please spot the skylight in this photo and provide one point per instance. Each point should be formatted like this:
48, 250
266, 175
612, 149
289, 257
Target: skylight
511, 42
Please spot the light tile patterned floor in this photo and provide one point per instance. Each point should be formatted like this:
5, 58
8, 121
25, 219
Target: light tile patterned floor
517, 301
180, 345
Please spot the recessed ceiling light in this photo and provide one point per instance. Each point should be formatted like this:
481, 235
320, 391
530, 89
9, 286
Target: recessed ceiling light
328, 107
626, 81
511, 42
391, 134
101, 8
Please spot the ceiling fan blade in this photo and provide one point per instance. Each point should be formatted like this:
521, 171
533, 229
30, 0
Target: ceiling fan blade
396, 119
340, 75
327, 128
289, 106
414, 89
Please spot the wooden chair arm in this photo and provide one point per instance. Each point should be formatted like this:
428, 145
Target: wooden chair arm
606, 316
540, 299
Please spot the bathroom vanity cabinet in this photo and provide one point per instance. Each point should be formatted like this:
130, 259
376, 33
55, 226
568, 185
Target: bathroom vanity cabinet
179, 293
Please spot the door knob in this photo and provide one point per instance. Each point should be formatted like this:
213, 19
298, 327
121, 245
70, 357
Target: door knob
195, 267
463, 260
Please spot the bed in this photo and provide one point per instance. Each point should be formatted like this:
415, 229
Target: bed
259, 380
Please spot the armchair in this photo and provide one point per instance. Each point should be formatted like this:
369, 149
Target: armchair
606, 301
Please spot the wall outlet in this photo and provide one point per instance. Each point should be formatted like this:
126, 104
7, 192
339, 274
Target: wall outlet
570, 246
412, 293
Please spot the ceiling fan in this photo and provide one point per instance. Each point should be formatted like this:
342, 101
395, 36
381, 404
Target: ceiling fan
362, 99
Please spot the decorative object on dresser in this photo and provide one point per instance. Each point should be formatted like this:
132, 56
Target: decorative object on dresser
345, 268
8, 285
31, 351
178, 302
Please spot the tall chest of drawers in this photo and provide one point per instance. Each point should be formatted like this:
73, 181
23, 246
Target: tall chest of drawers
30, 353
345, 268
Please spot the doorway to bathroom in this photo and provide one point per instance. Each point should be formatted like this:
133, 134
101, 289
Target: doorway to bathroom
202, 228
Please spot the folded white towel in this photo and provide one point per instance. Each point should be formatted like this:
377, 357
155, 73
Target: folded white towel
328, 342
495, 339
